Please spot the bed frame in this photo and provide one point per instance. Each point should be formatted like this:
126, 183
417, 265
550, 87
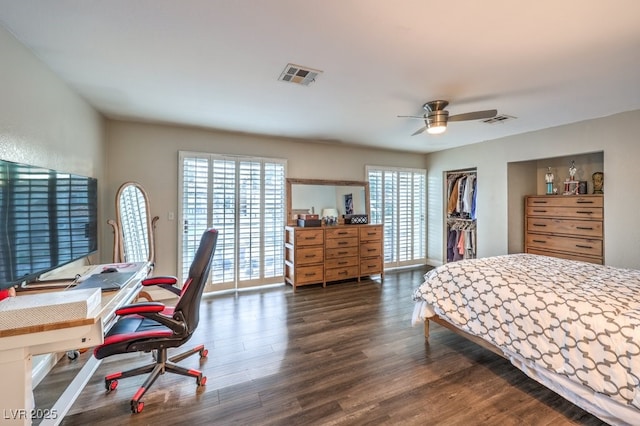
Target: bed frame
462, 333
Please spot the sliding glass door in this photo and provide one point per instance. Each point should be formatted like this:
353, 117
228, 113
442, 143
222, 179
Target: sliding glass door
398, 200
242, 197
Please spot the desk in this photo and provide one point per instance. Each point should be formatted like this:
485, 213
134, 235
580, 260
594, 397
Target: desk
17, 346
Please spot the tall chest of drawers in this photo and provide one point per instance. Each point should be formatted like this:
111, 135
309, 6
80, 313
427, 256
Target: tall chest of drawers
570, 227
332, 253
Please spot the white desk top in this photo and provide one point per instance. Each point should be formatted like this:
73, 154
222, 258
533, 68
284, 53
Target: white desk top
109, 302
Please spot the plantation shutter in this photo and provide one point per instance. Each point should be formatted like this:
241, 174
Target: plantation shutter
398, 200
244, 199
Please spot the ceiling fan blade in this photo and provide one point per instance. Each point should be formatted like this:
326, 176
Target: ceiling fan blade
476, 115
411, 116
417, 132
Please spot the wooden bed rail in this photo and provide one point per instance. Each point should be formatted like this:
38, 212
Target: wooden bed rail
462, 333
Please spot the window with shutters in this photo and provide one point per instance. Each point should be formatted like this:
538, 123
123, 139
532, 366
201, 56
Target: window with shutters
242, 197
398, 200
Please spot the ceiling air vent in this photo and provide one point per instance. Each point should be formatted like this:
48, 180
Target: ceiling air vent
498, 119
299, 75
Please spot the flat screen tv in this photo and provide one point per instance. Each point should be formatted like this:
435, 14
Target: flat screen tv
48, 218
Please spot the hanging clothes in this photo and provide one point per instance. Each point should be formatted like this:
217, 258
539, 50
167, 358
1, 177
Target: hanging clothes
453, 198
452, 240
461, 215
474, 197
467, 198
462, 184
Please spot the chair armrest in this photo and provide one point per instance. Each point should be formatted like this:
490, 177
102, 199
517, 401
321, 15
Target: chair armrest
160, 280
141, 308
153, 311
165, 282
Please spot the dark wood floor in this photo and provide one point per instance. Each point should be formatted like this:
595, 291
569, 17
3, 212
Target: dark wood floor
345, 354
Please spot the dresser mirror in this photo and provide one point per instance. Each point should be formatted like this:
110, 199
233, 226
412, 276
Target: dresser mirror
134, 228
316, 195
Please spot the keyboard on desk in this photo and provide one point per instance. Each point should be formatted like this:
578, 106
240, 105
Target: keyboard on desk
110, 281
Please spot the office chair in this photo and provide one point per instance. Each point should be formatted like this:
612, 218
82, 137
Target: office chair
150, 326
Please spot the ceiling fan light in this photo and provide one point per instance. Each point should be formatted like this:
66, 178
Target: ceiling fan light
437, 122
436, 129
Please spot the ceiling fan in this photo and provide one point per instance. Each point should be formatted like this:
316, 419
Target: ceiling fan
436, 117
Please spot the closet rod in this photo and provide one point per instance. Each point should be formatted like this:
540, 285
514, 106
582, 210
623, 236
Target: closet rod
463, 171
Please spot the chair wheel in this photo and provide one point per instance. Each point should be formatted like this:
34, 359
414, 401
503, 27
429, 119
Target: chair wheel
201, 381
73, 355
204, 353
111, 385
137, 407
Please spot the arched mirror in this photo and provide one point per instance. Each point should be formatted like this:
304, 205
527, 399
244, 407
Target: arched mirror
134, 228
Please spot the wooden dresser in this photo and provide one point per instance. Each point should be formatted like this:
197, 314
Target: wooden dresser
570, 227
332, 253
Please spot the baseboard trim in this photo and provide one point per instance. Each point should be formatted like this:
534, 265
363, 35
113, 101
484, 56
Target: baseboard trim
42, 365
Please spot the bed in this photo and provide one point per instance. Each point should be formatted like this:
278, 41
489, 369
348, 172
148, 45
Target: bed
572, 326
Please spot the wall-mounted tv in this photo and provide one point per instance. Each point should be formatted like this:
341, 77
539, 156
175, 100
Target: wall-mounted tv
48, 218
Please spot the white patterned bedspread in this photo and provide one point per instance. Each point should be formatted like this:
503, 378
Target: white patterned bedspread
577, 319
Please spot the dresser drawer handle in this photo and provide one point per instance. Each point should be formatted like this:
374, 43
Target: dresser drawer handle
539, 241
309, 256
309, 238
343, 263
370, 250
310, 274
539, 202
542, 225
343, 252
584, 228
539, 211
584, 202
581, 246
343, 242
343, 273
584, 212
343, 233
371, 233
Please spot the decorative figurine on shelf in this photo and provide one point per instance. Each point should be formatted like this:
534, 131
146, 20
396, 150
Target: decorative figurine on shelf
598, 182
548, 177
571, 184
572, 171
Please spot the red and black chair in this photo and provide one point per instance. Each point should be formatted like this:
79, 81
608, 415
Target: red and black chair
150, 326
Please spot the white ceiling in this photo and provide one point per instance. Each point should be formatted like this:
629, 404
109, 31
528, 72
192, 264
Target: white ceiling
215, 63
